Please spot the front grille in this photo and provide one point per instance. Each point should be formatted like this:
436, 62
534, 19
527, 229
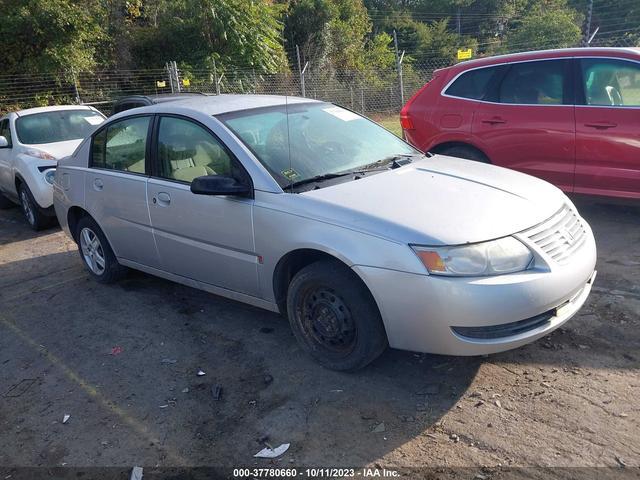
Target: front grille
560, 236
505, 329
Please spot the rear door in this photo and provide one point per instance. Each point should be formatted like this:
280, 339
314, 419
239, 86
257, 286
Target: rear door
116, 188
527, 122
201, 237
608, 127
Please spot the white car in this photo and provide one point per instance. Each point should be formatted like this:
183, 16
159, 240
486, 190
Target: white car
31, 143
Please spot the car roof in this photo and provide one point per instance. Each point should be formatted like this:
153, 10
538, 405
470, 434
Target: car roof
632, 53
30, 111
160, 97
219, 104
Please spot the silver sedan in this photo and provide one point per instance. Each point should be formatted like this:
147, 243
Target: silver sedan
308, 209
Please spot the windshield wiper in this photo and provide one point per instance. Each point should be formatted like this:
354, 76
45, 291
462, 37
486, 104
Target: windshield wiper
319, 178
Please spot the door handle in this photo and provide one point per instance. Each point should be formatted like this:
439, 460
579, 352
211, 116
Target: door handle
163, 199
601, 125
494, 121
98, 184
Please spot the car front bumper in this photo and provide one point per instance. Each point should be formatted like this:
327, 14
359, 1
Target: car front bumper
476, 316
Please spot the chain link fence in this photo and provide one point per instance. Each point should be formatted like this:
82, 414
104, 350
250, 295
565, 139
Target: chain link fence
371, 93
378, 93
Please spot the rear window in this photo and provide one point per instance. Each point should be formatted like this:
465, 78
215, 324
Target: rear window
534, 83
472, 84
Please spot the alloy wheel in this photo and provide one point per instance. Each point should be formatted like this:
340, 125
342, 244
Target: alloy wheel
92, 251
27, 208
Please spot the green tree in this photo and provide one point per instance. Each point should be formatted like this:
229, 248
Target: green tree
547, 24
197, 32
48, 36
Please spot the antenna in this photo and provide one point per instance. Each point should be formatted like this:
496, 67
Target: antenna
286, 111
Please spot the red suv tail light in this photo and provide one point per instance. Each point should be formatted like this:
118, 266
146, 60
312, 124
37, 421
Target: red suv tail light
405, 121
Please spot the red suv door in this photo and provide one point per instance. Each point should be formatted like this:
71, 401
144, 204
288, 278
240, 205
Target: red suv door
608, 127
526, 121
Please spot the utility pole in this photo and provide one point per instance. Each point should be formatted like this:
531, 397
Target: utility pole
459, 23
399, 58
587, 29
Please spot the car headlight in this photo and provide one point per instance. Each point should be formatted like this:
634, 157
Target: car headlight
497, 257
50, 175
42, 155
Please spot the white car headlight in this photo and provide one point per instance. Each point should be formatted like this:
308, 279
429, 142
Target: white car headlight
50, 175
497, 257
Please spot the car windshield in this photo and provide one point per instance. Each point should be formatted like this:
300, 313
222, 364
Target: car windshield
57, 126
317, 139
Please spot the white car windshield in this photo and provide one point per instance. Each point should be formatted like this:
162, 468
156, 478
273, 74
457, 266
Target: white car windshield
56, 126
316, 139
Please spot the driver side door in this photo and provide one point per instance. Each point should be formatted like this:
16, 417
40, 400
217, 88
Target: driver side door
200, 237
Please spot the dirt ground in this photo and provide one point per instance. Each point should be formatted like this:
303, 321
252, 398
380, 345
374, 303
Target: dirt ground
122, 361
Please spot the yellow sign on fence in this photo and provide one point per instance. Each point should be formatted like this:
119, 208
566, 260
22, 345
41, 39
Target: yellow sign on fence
186, 82
465, 54
161, 84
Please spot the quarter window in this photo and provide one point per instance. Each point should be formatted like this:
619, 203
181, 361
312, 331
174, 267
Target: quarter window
122, 146
534, 83
472, 84
5, 131
187, 151
609, 82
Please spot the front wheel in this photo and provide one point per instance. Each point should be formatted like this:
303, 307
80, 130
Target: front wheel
36, 219
96, 253
334, 317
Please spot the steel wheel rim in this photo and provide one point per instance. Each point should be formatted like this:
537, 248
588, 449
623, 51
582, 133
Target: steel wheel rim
92, 251
26, 207
328, 321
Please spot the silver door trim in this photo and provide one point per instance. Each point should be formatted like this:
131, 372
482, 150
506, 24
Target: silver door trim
207, 287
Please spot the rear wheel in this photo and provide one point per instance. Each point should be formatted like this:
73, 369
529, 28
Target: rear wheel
462, 151
36, 219
334, 317
96, 253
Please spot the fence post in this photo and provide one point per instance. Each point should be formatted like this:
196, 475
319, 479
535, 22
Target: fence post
75, 88
176, 74
215, 77
399, 59
301, 72
170, 75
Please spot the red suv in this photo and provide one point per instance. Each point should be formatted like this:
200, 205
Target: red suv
570, 116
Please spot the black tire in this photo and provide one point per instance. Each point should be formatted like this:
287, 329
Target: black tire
334, 317
31, 211
5, 203
467, 153
98, 252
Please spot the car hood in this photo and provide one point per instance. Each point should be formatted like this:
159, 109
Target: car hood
440, 201
58, 149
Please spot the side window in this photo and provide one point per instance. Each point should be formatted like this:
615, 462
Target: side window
122, 146
186, 151
472, 84
534, 83
5, 131
609, 82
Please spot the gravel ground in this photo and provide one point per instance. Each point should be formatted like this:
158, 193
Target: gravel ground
121, 360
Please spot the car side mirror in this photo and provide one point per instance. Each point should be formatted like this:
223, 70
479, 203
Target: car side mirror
3, 142
219, 185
